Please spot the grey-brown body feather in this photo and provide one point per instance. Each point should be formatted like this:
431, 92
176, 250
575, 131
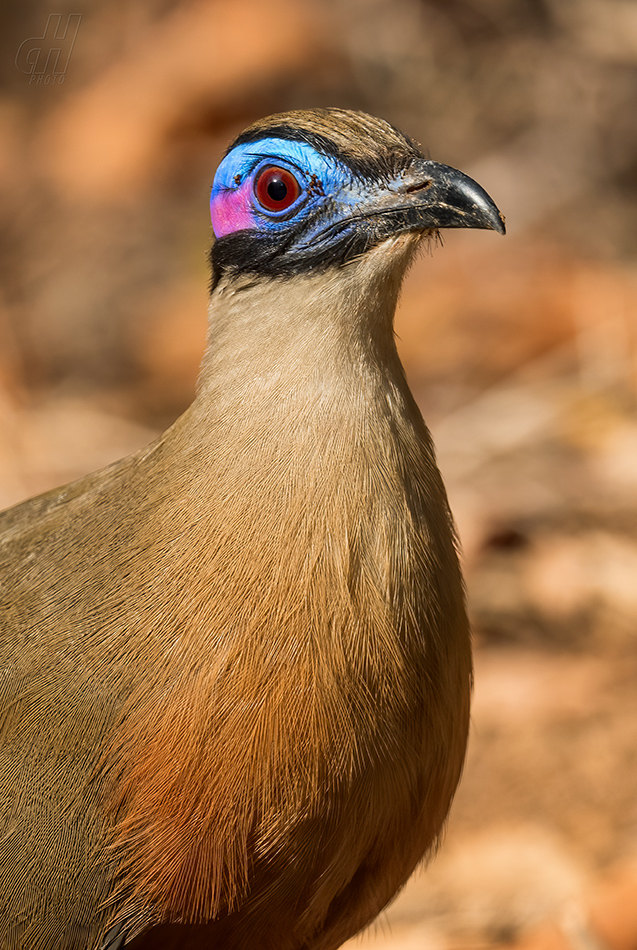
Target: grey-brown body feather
235, 667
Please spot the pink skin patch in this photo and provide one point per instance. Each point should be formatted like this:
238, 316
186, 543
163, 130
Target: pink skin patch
232, 210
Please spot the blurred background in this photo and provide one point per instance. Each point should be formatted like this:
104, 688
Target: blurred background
522, 353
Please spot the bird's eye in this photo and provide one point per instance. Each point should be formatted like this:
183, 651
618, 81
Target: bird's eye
276, 188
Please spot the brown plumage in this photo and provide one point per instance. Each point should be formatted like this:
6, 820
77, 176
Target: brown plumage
235, 666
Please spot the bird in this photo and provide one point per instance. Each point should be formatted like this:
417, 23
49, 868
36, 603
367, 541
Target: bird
235, 666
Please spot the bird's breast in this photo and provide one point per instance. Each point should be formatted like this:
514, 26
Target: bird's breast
310, 662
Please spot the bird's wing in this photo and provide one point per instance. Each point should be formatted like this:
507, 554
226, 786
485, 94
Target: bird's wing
59, 697
25, 516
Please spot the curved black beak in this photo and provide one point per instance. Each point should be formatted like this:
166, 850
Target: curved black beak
439, 196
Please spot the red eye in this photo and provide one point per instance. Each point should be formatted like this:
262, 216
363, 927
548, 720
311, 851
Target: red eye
276, 188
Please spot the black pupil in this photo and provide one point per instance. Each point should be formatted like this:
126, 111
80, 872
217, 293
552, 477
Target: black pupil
277, 189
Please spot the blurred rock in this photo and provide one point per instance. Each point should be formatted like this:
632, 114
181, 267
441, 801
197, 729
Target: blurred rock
109, 138
167, 348
499, 882
60, 440
613, 909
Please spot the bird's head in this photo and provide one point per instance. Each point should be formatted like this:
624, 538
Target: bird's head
301, 192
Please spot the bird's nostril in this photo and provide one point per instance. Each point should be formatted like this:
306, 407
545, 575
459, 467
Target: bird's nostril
419, 186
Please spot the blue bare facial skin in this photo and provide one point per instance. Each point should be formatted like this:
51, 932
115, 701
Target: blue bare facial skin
280, 206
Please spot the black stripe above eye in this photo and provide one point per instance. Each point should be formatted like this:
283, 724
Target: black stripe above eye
380, 162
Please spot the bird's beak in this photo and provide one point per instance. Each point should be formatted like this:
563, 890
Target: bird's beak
421, 198
430, 195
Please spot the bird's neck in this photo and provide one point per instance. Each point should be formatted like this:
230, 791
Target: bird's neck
302, 385
302, 340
